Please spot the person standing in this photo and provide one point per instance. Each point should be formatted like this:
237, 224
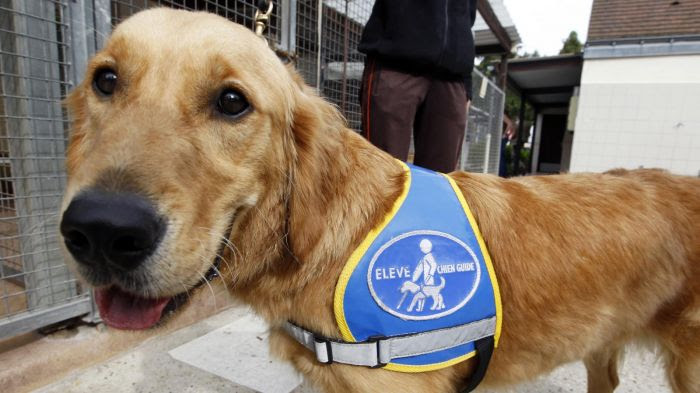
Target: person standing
417, 78
426, 266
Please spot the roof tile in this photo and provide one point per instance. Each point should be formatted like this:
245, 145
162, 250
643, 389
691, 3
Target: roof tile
614, 19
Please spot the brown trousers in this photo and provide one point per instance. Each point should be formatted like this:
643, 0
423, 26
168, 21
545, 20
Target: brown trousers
396, 103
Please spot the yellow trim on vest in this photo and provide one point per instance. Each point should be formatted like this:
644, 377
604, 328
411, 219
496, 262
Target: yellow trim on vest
485, 253
356, 256
406, 368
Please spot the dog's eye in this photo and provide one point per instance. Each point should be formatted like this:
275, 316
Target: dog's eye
105, 81
231, 103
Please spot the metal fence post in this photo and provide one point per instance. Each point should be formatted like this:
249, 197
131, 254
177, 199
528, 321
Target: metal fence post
288, 22
103, 23
78, 40
319, 46
499, 97
90, 27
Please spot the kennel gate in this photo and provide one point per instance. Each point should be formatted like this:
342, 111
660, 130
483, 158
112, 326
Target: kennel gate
44, 48
37, 65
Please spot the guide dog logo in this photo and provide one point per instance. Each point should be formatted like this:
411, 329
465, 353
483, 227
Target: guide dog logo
423, 275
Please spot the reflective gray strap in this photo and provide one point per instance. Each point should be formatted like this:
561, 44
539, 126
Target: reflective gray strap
382, 351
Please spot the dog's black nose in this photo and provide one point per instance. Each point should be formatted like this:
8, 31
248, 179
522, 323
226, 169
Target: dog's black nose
122, 229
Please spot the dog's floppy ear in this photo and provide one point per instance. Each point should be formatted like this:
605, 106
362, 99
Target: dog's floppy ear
315, 133
313, 118
287, 58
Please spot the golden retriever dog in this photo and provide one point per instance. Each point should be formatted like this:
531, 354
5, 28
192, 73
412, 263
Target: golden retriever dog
194, 152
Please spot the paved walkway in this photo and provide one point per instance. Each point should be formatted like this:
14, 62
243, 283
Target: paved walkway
227, 353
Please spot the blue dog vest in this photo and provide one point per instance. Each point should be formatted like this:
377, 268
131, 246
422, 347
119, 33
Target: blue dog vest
423, 269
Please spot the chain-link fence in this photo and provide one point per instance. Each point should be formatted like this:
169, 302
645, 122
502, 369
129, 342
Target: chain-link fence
342, 65
44, 47
239, 11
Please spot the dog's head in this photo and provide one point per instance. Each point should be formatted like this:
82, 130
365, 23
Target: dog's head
178, 129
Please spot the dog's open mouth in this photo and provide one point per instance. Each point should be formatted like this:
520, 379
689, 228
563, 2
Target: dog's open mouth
124, 310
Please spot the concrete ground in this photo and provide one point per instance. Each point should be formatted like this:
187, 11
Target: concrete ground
227, 353
34, 360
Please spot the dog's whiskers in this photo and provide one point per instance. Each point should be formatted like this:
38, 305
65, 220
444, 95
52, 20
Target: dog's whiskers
227, 244
211, 290
187, 290
216, 269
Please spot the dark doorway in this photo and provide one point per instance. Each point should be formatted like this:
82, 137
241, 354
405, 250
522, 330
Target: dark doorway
553, 128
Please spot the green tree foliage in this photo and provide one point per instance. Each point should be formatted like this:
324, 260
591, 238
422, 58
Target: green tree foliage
572, 45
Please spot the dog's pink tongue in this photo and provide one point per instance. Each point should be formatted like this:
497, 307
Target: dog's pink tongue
122, 310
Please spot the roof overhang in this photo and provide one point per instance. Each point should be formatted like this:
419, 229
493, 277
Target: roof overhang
494, 30
643, 47
546, 81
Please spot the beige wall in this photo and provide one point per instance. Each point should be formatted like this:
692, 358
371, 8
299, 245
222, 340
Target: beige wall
639, 112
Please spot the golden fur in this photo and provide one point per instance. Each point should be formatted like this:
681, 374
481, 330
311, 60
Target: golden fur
587, 263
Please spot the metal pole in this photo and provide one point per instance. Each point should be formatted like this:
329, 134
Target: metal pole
503, 72
79, 42
103, 23
345, 57
319, 33
288, 18
85, 43
534, 139
519, 142
487, 153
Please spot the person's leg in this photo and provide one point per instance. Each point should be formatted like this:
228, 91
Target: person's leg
389, 101
440, 126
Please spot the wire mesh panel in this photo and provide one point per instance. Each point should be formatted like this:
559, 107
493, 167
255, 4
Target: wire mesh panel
307, 41
34, 78
327, 54
239, 11
481, 150
343, 21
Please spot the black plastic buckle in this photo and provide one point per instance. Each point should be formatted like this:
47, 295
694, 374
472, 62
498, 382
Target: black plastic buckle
377, 340
329, 349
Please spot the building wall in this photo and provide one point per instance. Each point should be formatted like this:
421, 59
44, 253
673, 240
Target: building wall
639, 112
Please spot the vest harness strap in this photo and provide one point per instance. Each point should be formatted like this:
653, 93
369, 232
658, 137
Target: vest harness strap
380, 351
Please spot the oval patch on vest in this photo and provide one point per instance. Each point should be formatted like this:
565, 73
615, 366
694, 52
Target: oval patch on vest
423, 275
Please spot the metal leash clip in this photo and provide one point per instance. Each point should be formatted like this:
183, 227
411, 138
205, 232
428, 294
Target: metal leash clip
262, 17
263, 10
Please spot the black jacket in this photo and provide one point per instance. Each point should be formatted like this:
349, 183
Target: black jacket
424, 36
